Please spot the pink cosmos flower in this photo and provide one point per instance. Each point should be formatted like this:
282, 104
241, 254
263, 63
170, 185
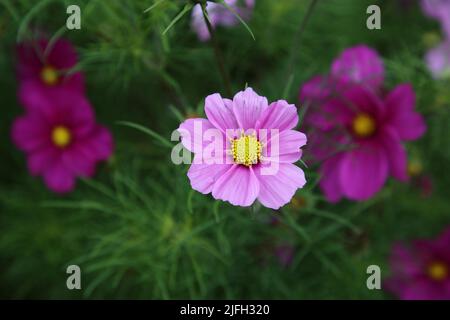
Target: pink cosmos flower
61, 139
254, 146
357, 133
421, 271
219, 15
43, 67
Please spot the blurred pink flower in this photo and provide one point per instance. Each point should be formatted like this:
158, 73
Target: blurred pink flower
421, 271
356, 133
438, 60
43, 67
219, 15
439, 10
252, 162
61, 139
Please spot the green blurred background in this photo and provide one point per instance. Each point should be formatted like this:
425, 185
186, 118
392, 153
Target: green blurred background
137, 230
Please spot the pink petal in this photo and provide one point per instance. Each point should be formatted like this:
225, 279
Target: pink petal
278, 189
220, 113
439, 10
279, 115
329, 181
438, 60
247, 108
336, 105
30, 133
60, 107
359, 64
424, 289
71, 81
198, 24
360, 99
191, 139
288, 144
314, 90
98, 146
363, 171
40, 160
74, 109
62, 55
403, 262
59, 179
203, 176
29, 63
32, 94
400, 104
239, 186
395, 152
78, 163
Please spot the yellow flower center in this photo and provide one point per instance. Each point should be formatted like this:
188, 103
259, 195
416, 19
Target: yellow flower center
414, 168
246, 150
49, 75
438, 271
298, 202
363, 125
61, 136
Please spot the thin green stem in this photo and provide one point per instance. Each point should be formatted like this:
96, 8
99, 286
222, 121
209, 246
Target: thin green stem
299, 34
218, 53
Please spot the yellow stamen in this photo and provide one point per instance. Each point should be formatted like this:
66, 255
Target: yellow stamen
49, 75
438, 271
246, 150
61, 136
298, 202
363, 125
415, 168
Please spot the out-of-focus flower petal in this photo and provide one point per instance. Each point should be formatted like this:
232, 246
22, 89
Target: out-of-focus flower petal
329, 181
59, 179
438, 60
399, 105
363, 171
359, 64
396, 153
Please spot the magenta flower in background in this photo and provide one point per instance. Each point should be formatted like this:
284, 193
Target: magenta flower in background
219, 15
359, 64
61, 139
43, 67
421, 271
356, 133
257, 148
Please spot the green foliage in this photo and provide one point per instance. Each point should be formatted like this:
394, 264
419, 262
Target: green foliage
138, 230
